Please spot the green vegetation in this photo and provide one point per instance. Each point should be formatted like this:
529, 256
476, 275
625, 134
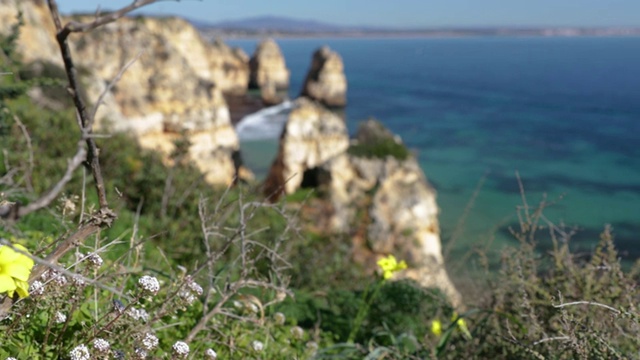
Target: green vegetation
380, 149
259, 282
373, 140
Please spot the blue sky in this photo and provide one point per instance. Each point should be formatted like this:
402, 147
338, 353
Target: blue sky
399, 13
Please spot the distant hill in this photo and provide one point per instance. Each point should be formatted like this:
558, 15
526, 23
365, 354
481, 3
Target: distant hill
285, 26
282, 24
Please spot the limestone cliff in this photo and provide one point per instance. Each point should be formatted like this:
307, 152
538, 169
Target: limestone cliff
268, 68
311, 137
36, 39
377, 191
378, 173
173, 90
325, 81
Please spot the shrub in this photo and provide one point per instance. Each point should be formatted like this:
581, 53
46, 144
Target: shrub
379, 149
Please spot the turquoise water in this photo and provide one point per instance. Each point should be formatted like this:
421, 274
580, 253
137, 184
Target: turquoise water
563, 112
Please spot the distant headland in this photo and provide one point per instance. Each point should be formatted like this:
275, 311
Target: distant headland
277, 26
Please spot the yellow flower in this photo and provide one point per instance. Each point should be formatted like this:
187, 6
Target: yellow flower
15, 269
436, 328
462, 325
390, 265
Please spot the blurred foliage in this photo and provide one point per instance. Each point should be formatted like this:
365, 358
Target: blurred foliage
379, 149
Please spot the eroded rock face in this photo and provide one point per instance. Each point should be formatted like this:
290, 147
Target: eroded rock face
172, 91
268, 68
401, 208
36, 40
325, 81
312, 136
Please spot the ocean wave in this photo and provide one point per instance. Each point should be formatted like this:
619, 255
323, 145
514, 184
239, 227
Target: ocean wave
264, 124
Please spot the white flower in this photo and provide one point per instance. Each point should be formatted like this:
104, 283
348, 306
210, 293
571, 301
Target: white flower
118, 305
11, 358
95, 260
149, 284
180, 349
312, 345
140, 353
211, 354
138, 314
77, 281
80, 352
279, 318
297, 332
60, 317
36, 288
187, 297
253, 308
194, 287
150, 341
55, 276
101, 345
257, 345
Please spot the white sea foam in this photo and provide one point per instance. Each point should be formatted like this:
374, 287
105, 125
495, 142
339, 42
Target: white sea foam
264, 124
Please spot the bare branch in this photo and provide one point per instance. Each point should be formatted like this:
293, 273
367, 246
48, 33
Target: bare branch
27, 176
74, 26
48, 197
85, 121
555, 338
109, 87
593, 303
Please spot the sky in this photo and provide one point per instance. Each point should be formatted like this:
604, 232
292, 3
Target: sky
397, 13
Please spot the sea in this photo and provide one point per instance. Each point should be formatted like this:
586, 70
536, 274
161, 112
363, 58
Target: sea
499, 125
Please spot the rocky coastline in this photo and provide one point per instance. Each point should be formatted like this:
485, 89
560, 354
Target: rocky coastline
178, 86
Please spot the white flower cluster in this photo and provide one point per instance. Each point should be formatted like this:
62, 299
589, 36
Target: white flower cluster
101, 345
80, 352
60, 317
279, 318
78, 281
297, 332
149, 341
191, 290
312, 346
36, 288
194, 286
140, 353
55, 276
180, 349
95, 260
118, 306
246, 307
257, 345
211, 354
138, 314
149, 284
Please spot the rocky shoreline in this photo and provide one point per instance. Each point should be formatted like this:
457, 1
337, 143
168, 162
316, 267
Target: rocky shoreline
181, 88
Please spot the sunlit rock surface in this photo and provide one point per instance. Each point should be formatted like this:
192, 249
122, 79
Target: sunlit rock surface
325, 81
268, 68
311, 137
172, 90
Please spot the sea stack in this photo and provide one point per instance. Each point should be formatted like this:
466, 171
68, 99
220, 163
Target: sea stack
311, 137
268, 68
378, 187
325, 81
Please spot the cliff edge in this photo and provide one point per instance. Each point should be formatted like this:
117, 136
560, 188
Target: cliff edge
173, 88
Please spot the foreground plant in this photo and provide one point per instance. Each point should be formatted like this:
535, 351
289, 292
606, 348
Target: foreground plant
15, 268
